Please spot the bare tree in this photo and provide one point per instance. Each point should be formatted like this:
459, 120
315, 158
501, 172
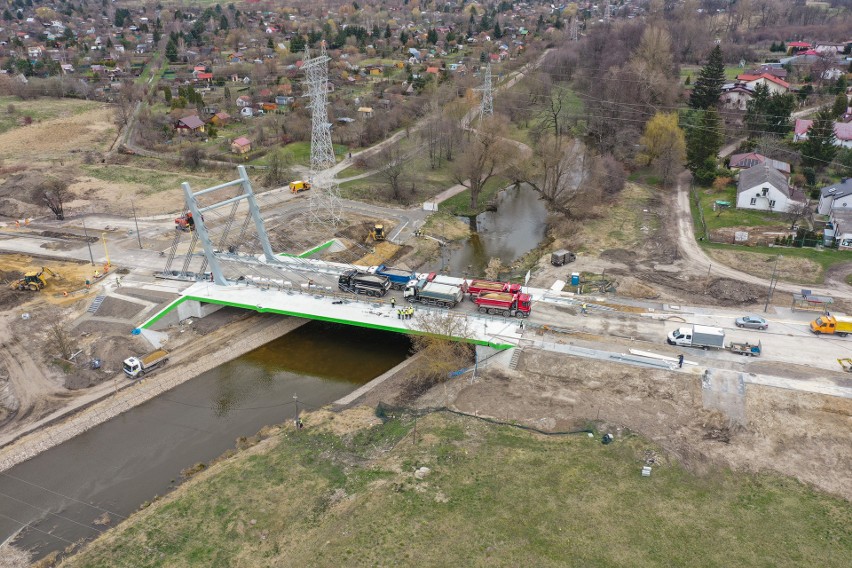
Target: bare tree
60, 341
486, 151
392, 167
558, 172
797, 210
277, 170
128, 95
55, 192
192, 157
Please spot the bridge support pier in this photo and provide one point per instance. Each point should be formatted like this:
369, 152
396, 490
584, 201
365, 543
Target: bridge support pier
184, 310
488, 356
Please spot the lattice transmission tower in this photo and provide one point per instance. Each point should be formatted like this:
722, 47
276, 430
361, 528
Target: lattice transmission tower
325, 195
575, 28
607, 12
486, 103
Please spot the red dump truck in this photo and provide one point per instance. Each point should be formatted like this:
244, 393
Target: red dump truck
504, 303
476, 287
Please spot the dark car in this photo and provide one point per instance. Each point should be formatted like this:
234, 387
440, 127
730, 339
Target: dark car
752, 322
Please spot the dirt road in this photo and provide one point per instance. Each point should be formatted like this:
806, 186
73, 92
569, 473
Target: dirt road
35, 391
697, 260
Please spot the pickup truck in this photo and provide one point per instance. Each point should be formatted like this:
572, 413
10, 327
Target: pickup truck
698, 336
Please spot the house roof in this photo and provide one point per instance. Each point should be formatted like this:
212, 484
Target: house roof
767, 76
840, 189
222, 115
760, 174
751, 159
192, 121
842, 130
798, 44
242, 141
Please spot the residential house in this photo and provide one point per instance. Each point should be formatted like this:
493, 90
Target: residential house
243, 101
220, 118
835, 197
751, 159
764, 188
189, 123
735, 96
241, 145
773, 83
842, 132
35, 52
246, 111
366, 112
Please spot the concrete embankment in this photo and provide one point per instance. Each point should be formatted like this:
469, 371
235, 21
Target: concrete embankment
208, 352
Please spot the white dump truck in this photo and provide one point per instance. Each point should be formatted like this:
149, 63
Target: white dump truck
698, 336
136, 367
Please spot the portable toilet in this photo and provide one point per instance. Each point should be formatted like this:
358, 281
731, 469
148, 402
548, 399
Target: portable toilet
575, 279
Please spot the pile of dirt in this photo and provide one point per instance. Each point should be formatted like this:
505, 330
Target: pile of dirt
10, 298
623, 256
21, 194
112, 350
723, 291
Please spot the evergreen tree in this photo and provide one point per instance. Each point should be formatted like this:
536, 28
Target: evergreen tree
704, 138
167, 93
403, 37
819, 149
171, 51
387, 31
768, 113
432, 36
708, 85
840, 104
498, 33
270, 44
297, 44
223, 22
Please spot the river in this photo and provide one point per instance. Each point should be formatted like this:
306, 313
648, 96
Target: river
119, 465
517, 226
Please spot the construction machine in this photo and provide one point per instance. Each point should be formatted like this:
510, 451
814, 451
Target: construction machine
377, 233
185, 222
33, 281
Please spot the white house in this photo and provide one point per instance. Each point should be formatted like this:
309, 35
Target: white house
773, 83
735, 96
835, 197
764, 188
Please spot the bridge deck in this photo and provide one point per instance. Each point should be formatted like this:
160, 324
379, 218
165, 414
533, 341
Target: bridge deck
322, 303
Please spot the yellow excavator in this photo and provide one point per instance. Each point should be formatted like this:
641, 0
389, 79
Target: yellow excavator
377, 233
33, 281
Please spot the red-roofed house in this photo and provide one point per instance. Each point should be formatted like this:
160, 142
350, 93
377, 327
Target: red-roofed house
204, 77
774, 84
241, 145
220, 118
433, 70
842, 131
798, 45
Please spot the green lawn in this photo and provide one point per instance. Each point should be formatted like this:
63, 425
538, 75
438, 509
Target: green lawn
427, 181
731, 216
155, 181
39, 110
692, 71
299, 153
496, 496
460, 204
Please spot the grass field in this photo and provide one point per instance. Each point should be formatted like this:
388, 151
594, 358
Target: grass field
39, 110
154, 181
460, 204
299, 153
731, 216
496, 496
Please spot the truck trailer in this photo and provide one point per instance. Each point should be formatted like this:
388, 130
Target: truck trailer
829, 324
698, 336
363, 283
504, 303
135, 367
477, 287
398, 277
432, 293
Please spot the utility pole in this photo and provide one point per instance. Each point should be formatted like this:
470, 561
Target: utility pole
106, 251
135, 220
88, 244
773, 281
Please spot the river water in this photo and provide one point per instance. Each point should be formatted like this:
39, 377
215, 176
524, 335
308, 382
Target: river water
516, 227
119, 465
